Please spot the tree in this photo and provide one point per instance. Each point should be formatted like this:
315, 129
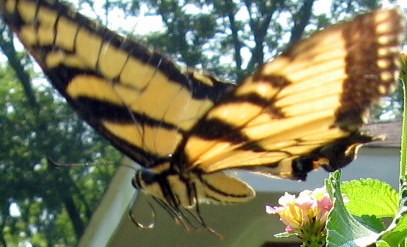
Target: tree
34, 125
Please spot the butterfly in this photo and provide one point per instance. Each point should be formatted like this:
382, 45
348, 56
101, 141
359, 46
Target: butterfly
302, 111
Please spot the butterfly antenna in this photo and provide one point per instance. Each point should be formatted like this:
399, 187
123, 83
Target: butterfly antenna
177, 215
198, 216
59, 165
168, 209
186, 221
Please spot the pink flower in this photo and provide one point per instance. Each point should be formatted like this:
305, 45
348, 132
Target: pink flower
304, 215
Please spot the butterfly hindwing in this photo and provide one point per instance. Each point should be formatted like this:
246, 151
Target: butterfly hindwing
306, 106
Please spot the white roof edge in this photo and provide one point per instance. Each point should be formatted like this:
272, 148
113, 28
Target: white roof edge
115, 201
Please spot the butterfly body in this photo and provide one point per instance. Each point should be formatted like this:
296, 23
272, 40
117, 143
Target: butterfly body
302, 111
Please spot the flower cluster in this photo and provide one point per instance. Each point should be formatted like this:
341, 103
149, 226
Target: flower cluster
305, 215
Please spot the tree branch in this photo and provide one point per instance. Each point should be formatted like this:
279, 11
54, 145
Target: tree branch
301, 20
7, 46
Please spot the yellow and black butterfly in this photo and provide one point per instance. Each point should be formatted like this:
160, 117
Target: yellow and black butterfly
297, 113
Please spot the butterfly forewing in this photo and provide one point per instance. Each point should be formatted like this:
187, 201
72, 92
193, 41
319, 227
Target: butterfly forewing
135, 97
316, 93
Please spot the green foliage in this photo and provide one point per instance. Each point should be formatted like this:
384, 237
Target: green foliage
357, 222
360, 193
41, 192
397, 234
343, 229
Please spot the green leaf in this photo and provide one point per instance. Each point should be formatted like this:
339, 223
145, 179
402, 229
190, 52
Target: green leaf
361, 193
397, 233
382, 243
342, 228
372, 221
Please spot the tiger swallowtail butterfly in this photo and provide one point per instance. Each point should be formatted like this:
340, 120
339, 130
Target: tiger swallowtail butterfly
302, 111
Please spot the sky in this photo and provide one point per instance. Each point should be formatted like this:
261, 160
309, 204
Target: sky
146, 22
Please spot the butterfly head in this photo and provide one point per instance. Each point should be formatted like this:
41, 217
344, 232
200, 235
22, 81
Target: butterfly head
166, 187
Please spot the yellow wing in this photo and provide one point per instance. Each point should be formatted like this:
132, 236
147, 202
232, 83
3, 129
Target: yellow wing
135, 97
304, 109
